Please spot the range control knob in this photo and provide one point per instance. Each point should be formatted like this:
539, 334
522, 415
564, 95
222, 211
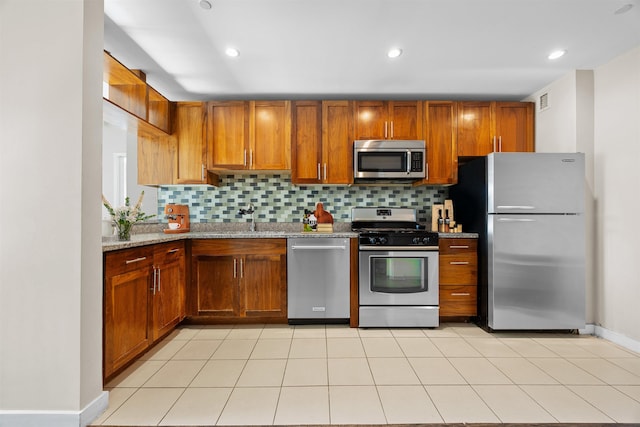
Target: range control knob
426, 241
416, 241
372, 240
382, 240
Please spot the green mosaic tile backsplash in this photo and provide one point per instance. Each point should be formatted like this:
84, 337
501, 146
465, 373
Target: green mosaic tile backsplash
277, 200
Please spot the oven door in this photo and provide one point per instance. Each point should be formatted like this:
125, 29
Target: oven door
398, 277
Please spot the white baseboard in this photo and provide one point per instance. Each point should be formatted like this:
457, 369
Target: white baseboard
614, 337
56, 418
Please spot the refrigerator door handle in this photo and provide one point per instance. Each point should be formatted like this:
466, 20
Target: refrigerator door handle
516, 207
516, 220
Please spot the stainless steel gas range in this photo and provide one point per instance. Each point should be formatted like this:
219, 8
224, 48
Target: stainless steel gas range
398, 269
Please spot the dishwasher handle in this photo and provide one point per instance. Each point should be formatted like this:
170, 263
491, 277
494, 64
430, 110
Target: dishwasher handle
315, 247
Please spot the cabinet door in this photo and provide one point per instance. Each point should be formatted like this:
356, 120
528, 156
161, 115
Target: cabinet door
405, 120
190, 134
514, 126
157, 159
270, 135
440, 136
228, 132
263, 286
306, 147
475, 136
216, 282
337, 142
168, 290
126, 305
372, 120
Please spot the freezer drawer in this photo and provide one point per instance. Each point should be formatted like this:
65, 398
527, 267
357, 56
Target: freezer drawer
536, 272
318, 278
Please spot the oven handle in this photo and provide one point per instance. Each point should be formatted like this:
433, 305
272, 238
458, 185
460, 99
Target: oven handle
398, 248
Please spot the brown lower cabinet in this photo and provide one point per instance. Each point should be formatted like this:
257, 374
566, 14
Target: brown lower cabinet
458, 277
144, 294
238, 280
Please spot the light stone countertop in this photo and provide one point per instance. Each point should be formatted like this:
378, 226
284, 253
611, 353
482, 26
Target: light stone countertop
151, 233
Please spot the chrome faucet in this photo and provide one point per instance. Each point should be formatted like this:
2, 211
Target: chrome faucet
249, 210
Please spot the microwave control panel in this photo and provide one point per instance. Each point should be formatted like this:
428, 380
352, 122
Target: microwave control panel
416, 161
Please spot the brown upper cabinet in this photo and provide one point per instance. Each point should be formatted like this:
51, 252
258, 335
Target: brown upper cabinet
322, 142
128, 90
228, 128
388, 120
440, 137
251, 135
192, 144
486, 127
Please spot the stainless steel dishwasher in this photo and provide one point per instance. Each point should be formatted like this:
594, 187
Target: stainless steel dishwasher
318, 273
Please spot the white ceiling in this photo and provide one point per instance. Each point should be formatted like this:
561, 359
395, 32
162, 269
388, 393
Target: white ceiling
321, 49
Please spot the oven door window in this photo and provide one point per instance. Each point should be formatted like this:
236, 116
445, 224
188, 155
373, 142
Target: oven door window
382, 162
399, 275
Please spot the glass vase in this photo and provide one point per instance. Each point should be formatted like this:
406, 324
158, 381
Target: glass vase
124, 230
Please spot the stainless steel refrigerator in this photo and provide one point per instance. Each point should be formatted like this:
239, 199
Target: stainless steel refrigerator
529, 211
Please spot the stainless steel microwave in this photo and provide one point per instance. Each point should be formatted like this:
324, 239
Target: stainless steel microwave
388, 159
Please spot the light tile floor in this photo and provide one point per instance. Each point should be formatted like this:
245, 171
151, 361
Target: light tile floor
333, 374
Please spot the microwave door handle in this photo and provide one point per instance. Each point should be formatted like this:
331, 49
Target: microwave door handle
408, 162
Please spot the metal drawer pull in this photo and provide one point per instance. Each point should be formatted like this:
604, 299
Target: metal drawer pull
235, 268
173, 251
131, 261
459, 262
460, 294
459, 247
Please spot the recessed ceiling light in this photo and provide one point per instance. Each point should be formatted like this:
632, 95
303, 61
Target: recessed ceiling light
624, 9
232, 52
205, 4
556, 54
394, 53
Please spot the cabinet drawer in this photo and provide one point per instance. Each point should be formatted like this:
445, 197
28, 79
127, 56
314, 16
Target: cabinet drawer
458, 246
458, 269
167, 253
126, 260
458, 300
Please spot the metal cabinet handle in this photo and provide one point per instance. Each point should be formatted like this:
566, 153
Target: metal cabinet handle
319, 177
391, 129
500, 143
159, 279
325, 171
241, 268
173, 251
460, 294
131, 261
235, 268
494, 143
459, 262
427, 171
385, 130
155, 275
459, 247
245, 157
250, 158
